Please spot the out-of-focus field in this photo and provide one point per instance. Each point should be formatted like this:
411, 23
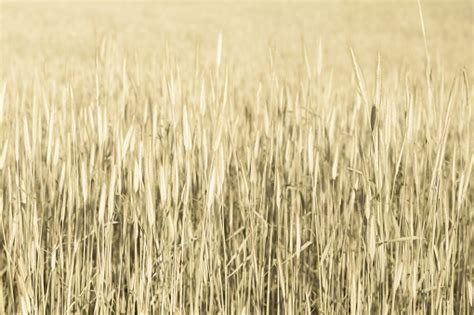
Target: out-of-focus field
35, 34
236, 158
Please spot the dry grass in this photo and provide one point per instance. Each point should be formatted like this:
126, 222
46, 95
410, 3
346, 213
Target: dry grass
203, 159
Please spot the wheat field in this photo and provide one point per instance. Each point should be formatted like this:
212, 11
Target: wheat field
236, 158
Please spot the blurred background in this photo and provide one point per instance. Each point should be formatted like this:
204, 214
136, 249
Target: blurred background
53, 36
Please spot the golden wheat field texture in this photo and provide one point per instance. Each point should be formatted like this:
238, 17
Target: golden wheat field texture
236, 158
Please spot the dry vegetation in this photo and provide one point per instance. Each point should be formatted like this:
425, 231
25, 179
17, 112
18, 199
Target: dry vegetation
151, 164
